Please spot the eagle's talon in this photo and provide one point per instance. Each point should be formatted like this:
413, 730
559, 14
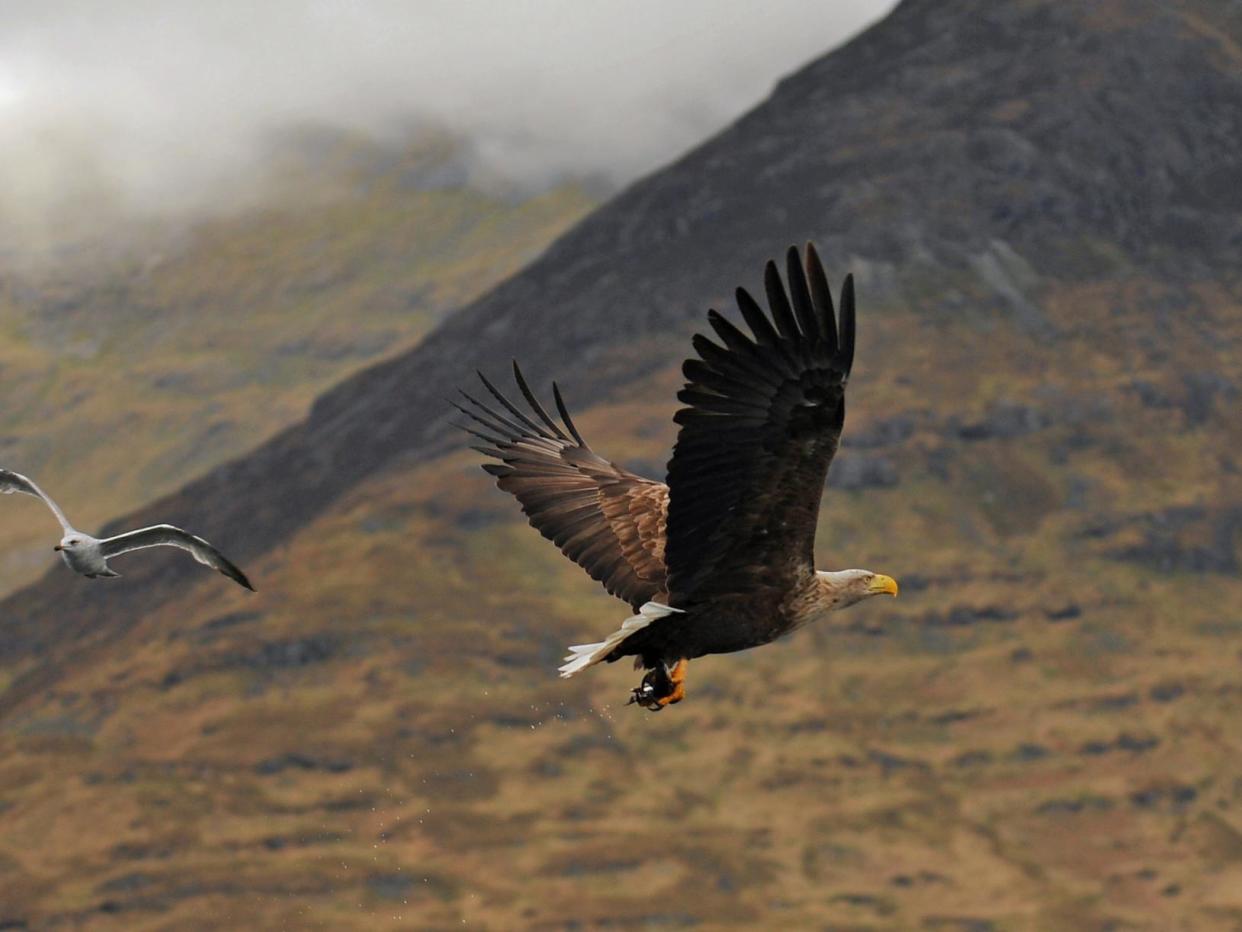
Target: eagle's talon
660, 687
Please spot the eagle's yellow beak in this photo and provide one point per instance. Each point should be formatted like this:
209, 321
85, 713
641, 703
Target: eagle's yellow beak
881, 584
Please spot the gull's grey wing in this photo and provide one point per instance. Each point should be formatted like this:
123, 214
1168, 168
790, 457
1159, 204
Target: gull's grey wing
11, 482
165, 535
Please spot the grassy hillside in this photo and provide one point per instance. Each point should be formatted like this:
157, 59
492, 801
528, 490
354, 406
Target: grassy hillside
1036, 735
196, 349
1039, 202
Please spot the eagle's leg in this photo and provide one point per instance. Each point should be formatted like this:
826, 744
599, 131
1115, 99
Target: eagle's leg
676, 676
662, 686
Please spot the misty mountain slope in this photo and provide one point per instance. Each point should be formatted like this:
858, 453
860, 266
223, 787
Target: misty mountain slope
959, 157
195, 344
1036, 735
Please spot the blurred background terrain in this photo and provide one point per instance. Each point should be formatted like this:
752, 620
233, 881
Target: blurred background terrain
1041, 203
192, 340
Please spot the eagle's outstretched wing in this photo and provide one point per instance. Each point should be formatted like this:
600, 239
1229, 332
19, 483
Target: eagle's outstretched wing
603, 517
763, 418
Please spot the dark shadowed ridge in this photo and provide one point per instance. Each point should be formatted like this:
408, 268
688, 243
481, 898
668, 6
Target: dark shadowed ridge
1016, 142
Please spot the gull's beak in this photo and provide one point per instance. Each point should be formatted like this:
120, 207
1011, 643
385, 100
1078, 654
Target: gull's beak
881, 584
57, 547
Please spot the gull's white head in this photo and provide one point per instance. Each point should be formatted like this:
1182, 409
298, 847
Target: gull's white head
70, 541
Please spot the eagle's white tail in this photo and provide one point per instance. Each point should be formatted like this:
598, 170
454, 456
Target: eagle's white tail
581, 656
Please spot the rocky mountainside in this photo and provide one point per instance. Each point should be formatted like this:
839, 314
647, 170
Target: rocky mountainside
1039, 200
961, 158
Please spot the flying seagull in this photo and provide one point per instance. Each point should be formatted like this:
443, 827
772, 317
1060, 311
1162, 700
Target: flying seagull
721, 558
89, 556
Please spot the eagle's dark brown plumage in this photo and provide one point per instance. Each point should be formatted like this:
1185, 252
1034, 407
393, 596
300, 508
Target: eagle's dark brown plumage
722, 557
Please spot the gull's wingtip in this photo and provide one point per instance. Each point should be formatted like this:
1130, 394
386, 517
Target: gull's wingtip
237, 576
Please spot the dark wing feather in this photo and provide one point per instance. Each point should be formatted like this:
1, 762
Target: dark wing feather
604, 518
762, 423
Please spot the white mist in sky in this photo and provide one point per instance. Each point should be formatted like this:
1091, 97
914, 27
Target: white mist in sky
167, 104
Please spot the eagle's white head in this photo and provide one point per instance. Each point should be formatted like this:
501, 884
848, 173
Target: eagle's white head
846, 587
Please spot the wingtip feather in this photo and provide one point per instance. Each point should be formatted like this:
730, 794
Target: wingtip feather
512, 408
778, 302
540, 411
564, 412
233, 573
800, 295
848, 323
821, 297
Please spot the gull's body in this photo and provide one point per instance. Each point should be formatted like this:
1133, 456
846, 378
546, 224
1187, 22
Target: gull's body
88, 556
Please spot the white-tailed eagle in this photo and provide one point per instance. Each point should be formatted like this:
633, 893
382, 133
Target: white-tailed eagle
720, 557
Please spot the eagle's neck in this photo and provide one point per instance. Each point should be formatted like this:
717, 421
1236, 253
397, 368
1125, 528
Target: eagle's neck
821, 594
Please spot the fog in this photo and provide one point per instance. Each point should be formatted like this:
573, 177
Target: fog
163, 105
